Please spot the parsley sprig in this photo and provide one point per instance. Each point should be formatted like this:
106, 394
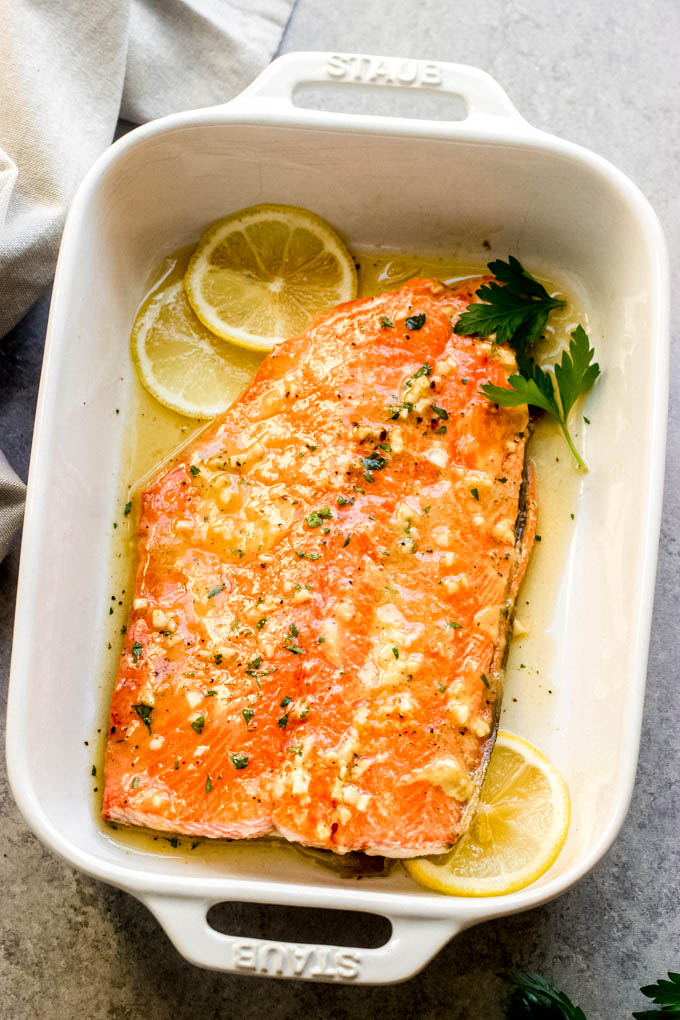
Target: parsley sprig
571, 379
666, 995
514, 306
535, 998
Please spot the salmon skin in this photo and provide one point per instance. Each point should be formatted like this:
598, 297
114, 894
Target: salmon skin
325, 586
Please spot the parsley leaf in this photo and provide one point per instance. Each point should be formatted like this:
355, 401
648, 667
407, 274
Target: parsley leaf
386, 322
536, 999
128, 508
575, 374
239, 760
666, 995
314, 519
514, 306
571, 379
198, 724
416, 321
373, 463
247, 714
144, 713
215, 591
137, 650
194, 470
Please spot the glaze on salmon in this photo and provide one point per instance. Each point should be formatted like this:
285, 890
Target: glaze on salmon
325, 586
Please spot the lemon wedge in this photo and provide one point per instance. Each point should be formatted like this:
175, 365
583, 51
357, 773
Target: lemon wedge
519, 828
262, 274
183, 364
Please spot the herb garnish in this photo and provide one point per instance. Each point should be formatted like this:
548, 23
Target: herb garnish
666, 995
144, 713
534, 997
440, 412
198, 724
475, 494
386, 322
137, 650
194, 470
416, 321
283, 721
453, 625
239, 760
216, 591
289, 644
516, 308
314, 519
373, 463
344, 500
571, 379
208, 784
248, 715
128, 508
285, 701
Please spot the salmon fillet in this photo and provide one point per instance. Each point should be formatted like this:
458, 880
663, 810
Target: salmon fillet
324, 590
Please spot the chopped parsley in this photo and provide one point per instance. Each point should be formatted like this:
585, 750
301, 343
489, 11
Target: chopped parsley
441, 431
144, 713
346, 542
239, 760
261, 622
135, 783
216, 591
94, 770
137, 650
194, 470
208, 784
416, 321
198, 724
440, 412
295, 649
426, 509
283, 721
395, 653
373, 463
320, 641
218, 658
386, 322
453, 625
344, 500
307, 556
485, 681
248, 715
128, 508
475, 494
314, 519
285, 701
295, 748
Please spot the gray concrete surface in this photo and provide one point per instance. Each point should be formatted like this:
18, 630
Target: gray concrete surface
600, 74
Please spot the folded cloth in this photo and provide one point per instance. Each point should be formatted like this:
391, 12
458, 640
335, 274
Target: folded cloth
12, 491
69, 70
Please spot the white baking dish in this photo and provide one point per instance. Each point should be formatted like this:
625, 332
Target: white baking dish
401, 185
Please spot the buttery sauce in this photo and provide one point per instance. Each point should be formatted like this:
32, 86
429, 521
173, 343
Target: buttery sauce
156, 434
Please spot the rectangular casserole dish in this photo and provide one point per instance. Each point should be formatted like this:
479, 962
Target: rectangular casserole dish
384, 183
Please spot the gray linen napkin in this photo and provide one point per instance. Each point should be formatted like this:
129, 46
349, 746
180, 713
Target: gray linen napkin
68, 70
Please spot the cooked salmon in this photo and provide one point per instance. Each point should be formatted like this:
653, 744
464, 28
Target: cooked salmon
325, 589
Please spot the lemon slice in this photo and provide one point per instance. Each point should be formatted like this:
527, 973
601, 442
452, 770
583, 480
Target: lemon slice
182, 363
518, 831
262, 274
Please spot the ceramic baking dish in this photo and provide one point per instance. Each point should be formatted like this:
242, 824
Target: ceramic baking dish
396, 184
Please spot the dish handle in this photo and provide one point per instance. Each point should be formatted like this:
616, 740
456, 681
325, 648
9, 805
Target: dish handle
412, 944
482, 95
